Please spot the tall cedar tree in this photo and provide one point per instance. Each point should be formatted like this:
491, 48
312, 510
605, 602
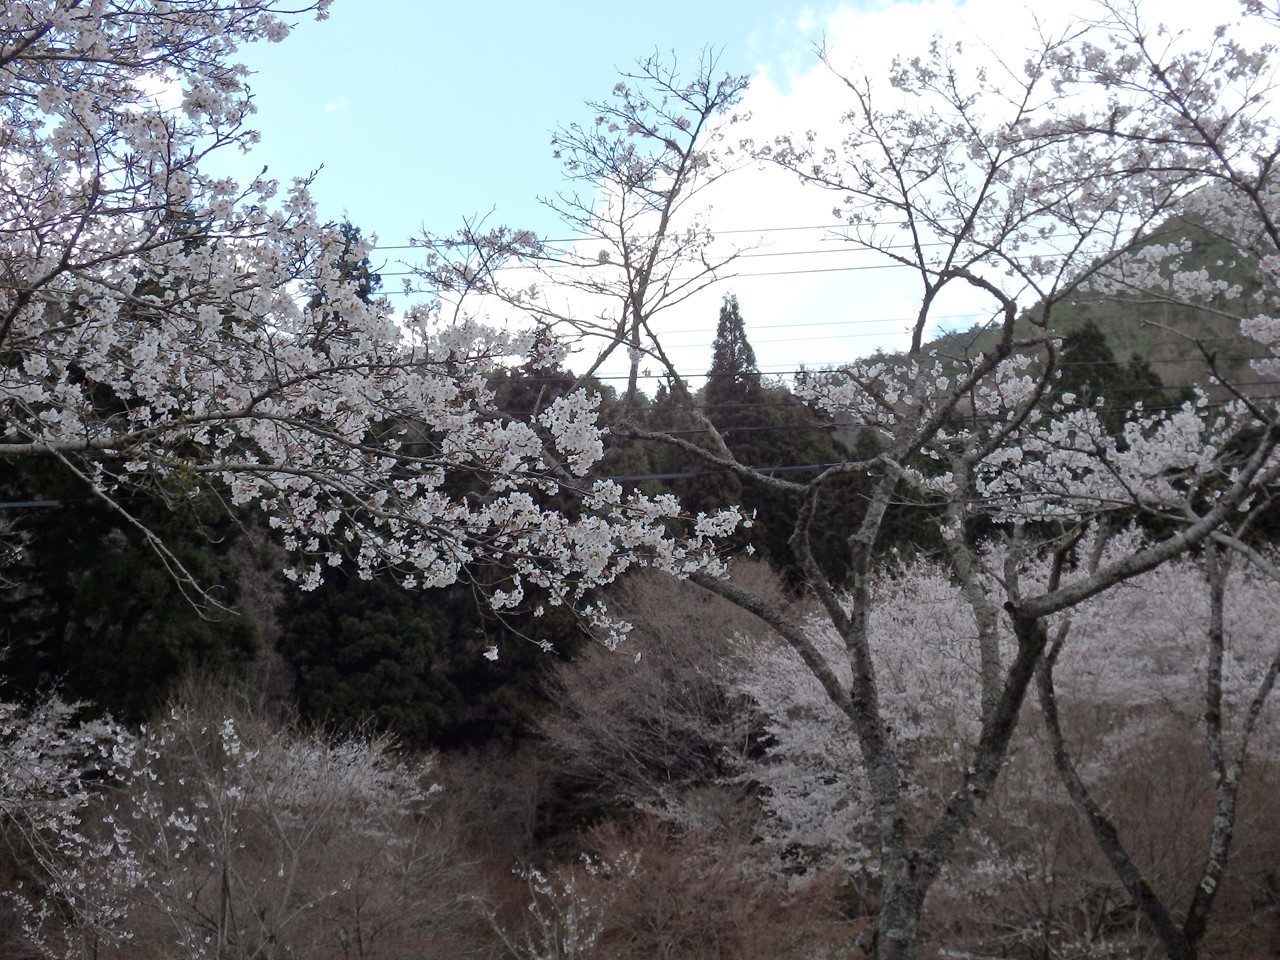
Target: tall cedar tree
734, 375
767, 428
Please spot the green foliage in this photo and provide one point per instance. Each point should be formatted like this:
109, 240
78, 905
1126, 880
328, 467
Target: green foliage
505, 698
371, 655
367, 654
765, 427
1090, 374
1179, 340
95, 612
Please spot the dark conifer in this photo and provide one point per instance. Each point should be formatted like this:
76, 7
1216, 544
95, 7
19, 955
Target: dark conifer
733, 361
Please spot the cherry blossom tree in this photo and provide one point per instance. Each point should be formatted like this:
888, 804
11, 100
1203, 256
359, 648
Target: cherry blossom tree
1018, 185
168, 330
218, 834
815, 791
1139, 666
1190, 113
1224, 630
970, 187
48, 762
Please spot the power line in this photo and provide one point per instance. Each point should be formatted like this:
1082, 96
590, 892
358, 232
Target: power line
819, 369
718, 233
850, 247
834, 228
735, 276
745, 255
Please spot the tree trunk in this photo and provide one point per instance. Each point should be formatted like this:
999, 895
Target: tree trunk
898, 935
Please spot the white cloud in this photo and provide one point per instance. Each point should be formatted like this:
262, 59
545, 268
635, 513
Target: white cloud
808, 298
162, 89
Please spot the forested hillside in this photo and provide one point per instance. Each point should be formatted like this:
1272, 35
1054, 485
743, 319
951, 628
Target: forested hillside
1183, 344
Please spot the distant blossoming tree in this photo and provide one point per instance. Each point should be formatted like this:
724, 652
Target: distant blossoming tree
220, 837
1142, 661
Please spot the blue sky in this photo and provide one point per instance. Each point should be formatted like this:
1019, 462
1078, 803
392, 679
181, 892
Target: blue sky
422, 113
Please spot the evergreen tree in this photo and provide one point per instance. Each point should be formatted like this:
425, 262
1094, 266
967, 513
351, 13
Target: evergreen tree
767, 428
368, 652
93, 611
733, 372
1089, 372
733, 398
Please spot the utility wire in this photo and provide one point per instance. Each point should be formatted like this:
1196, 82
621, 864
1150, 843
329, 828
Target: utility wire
819, 370
834, 228
718, 233
745, 255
